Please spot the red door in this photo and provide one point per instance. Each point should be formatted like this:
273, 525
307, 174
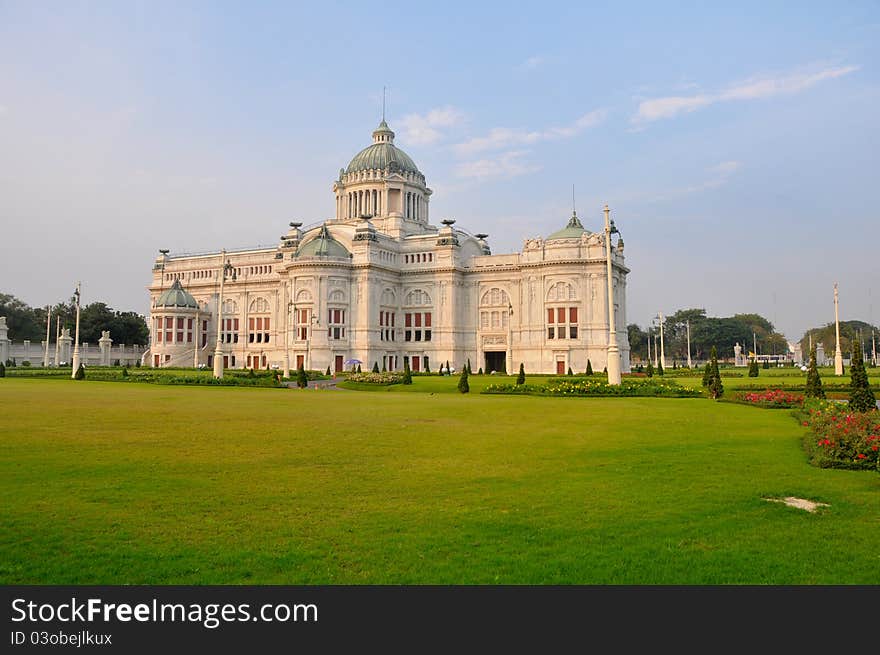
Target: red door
415, 363
338, 363
299, 361
560, 368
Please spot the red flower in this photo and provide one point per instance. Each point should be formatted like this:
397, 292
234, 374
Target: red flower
862, 456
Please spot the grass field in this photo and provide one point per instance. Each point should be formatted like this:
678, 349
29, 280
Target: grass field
111, 483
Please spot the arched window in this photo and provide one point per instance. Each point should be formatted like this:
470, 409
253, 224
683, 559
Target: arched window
259, 306
560, 292
303, 296
417, 297
259, 321
336, 296
494, 297
230, 306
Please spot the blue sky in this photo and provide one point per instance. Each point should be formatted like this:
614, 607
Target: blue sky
737, 146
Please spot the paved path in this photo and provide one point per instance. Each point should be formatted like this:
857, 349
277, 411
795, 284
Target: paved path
319, 384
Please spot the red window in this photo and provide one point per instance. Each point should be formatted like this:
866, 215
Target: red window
549, 315
304, 316
418, 320
428, 319
167, 337
392, 319
381, 318
235, 323
265, 327
251, 324
572, 314
180, 337
189, 337
179, 323
169, 322
337, 316
407, 320
560, 315
259, 323
189, 324
159, 337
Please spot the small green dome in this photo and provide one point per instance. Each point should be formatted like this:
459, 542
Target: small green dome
176, 296
323, 245
382, 154
573, 230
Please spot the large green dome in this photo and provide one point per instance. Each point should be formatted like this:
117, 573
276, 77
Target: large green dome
382, 154
574, 230
176, 296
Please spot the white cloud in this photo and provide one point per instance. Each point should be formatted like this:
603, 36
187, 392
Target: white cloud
427, 129
506, 164
532, 63
751, 89
506, 137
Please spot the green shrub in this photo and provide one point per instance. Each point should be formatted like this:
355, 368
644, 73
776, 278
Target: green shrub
80, 373
569, 371
707, 374
521, 378
375, 367
590, 368
302, 380
26, 363
650, 370
428, 368
480, 372
814, 382
861, 398
407, 374
716, 389
2, 370
125, 372
328, 372
463, 385
765, 365
753, 369
659, 367
358, 369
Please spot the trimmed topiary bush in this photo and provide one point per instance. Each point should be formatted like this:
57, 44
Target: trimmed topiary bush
861, 398
407, 374
463, 385
753, 369
328, 372
2, 370
590, 368
375, 367
707, 374
302, 380
569, 371
650, 370
480, 372
814, 382
521, 378
80, 373
716, 389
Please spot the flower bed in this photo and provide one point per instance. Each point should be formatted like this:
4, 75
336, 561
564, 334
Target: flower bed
770, 399
380, 379
838, 438
592, 387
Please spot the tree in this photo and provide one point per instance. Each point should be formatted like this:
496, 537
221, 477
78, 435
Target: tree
469, 366
638, 340
814, 382
328, 371
716, 389
427, 366
384, 369
463, 385
753, 369
302, 380
375, 367
659, 367
125, 372
407, 374
80, 373
521, 378
480, 372
569, 371
589, 368
359, 368
707, 374
861, 398
766, 364
650, 370
2, 370
448, 370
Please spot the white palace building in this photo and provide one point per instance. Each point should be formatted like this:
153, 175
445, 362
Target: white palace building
380, 284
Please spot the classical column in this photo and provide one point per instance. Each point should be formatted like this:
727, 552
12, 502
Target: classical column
689, 344
57, 340
662, 343
838, 355
76, 335
218, 351
104, 343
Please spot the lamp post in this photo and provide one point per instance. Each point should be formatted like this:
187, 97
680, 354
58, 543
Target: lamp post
662, 342
286, 372
613, 359
48, 334
689, 344
838, 356
76, 340
225, 268
313, 320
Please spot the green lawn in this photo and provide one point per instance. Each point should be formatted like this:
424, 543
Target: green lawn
111, 483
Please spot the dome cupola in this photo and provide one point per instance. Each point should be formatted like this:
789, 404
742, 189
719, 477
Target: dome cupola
176, 296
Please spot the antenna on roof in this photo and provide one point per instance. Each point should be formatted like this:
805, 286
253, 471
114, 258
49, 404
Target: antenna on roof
383, 104
573, 208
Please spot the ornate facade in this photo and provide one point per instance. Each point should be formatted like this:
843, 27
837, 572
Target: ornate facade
378, 283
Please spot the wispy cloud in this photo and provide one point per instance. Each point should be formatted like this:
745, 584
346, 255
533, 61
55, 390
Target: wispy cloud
505, 137
532, 63
427, 129
506, 164
751, 89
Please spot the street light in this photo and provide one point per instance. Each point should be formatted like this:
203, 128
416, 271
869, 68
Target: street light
660, 320
613, 357
225, 269
287, 339
76, 342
